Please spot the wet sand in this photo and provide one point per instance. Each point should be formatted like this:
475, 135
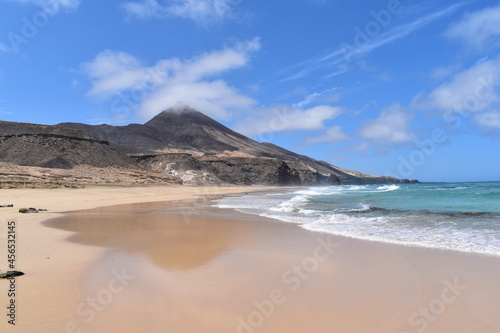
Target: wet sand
52, 291
186, 267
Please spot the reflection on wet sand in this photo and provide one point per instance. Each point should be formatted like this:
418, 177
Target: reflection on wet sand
169, 239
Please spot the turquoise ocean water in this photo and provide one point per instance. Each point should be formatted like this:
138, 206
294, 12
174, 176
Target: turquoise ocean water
454, 216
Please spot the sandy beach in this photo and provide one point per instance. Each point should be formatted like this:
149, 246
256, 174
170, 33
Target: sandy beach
50, 291
144, 259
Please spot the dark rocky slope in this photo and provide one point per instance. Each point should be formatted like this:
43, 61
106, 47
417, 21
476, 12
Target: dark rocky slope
181, 130
57, 147
175, 146
190, 145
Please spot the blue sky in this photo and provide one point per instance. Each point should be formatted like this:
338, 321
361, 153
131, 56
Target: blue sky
403, 88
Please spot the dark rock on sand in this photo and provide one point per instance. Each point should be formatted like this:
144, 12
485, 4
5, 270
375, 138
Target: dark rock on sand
28, 210
10, 274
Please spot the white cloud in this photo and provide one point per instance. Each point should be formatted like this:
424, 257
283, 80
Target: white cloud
478, 30
348, 50
143, 9
201, 11
326, 96
308, 99
52, 6
213, 98
470, 94
471, 90
401, 31
489, 120
284, 118
392, 126
443, 72
333, 135
361, 146
397, 33
169, 81
112, 72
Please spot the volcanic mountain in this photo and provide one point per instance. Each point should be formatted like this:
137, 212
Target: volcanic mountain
177, 130
186, 143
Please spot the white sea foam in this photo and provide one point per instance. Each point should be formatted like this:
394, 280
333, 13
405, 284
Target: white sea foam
291, 205
359, 220
449, 188
309, 211
356, 187
362, 208
384, 230
320, 191
389, 188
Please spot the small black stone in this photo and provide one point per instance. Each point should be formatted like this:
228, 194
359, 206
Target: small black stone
10, 274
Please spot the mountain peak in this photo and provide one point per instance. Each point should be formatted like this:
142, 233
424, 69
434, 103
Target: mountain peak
181, 115
179, 108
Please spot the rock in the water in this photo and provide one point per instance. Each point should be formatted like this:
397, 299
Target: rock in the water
5, 206
28, 210
10, 274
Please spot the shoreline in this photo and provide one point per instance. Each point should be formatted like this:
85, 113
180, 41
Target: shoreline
359, 275
380, 216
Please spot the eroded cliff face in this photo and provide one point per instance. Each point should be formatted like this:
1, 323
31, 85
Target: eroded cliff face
249, 171
184, 145
41, 156
218, 171
60, 152
56, 147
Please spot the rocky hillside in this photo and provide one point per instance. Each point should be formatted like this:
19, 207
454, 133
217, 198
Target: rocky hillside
189, 145
57, 147
176, 130
177, 146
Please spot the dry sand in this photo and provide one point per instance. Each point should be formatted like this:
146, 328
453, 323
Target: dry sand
184, 267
